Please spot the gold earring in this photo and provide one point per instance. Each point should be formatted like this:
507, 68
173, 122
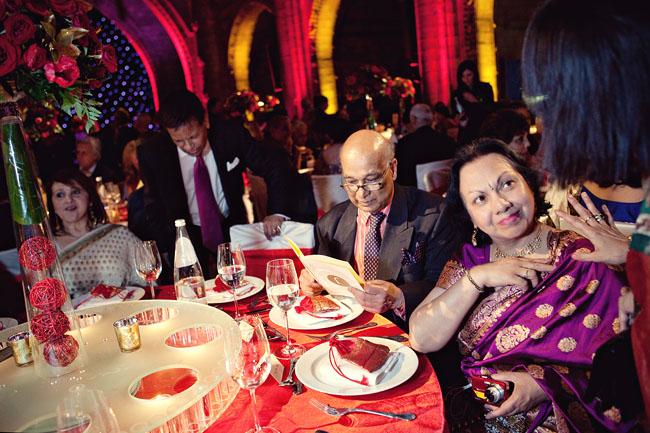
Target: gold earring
474, 233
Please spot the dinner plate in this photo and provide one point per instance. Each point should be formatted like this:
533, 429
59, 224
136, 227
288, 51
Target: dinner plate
314, 370
303, 322
7, 322
84, 301
255, 286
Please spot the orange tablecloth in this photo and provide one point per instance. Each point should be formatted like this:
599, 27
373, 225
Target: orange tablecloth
279, 408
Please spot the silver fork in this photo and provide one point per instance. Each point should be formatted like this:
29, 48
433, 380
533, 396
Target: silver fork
289, 381
344, 411
342, 331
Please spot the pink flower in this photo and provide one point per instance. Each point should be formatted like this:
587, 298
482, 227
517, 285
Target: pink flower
35, 57
9, 56
20, 28
65, 72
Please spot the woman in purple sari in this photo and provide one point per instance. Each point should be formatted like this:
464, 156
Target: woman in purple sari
522, 308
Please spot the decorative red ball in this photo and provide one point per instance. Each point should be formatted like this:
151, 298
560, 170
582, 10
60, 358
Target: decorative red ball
37, 253
49, 324
61, 351
48, 294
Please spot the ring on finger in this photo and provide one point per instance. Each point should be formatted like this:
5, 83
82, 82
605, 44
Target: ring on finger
586, 220
599, 217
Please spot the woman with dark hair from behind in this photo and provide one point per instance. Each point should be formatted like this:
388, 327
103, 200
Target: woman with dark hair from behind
510, 127
585, 65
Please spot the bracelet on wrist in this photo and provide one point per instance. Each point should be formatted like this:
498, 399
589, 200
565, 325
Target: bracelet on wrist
471, 280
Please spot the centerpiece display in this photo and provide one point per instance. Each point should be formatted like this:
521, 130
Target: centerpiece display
49, 53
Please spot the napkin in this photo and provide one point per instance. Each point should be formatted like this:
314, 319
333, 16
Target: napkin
102, 295
221, 287
353, 371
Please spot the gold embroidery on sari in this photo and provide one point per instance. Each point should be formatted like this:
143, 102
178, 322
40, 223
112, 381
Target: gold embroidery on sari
567, 344
452, 272
539, 333
510, 337
565, 282
592, 286
616, 326
537, 371
567, 310
562, 369
613, 413
591, 321
543, 311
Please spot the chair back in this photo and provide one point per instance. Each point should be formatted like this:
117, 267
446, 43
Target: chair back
434, 176
258, 250
327, 191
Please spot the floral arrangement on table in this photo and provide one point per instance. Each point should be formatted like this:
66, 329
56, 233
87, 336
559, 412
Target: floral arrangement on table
398, 88
242, 104
367, 80
50, 52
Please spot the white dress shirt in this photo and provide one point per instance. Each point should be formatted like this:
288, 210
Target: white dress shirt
187, 170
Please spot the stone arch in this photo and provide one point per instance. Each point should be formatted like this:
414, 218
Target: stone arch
241, 40
323, 21
165, 44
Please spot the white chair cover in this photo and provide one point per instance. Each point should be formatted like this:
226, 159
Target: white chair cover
251, 236
433, 176
327, 191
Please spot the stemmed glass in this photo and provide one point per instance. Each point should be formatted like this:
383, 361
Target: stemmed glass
231, 266
148, 263
113, 197
84, 409
282, 289
248, 360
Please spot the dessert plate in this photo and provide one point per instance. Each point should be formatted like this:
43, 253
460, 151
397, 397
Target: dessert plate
314, 370
349, 308
252, 285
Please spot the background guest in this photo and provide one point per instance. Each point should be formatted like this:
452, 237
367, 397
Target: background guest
89, 160
422, 145
472, 100
510, 127
90, 250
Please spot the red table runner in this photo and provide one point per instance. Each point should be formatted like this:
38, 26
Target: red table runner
279, 408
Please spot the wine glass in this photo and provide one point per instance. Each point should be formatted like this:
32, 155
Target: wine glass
231, 266
148, 263
248, 360
282, 289
84, 409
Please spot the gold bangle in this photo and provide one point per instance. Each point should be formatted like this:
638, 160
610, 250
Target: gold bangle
471, 280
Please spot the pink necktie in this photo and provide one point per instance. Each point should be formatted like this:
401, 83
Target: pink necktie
209, 212
372, 246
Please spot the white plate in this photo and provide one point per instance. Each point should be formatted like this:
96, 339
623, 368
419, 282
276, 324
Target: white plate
255, 286
7, 322
80, 302
314, 370
350, 307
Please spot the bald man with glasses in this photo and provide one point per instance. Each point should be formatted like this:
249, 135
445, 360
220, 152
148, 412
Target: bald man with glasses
392, 235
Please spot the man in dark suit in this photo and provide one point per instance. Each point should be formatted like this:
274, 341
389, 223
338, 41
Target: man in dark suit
89, 159
392, 235
194, 172
423, 145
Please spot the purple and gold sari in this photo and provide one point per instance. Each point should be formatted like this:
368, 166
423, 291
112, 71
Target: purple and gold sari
551, 331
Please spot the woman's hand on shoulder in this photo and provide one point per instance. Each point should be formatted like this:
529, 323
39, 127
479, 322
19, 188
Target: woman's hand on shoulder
526, 395
610, 245
510, 271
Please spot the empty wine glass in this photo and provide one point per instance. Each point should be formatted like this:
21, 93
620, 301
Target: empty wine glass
248, 360
85, 410
282, 289
231, 266
148, 263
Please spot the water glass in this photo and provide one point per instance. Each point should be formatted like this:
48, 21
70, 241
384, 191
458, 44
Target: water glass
148, 263
248, 360
282, 289
231, 266
85, 410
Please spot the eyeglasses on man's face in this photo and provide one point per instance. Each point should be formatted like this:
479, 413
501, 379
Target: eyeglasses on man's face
374, 185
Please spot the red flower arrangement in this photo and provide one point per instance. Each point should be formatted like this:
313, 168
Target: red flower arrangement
367, 80
242, 104
399, 88
50, 52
